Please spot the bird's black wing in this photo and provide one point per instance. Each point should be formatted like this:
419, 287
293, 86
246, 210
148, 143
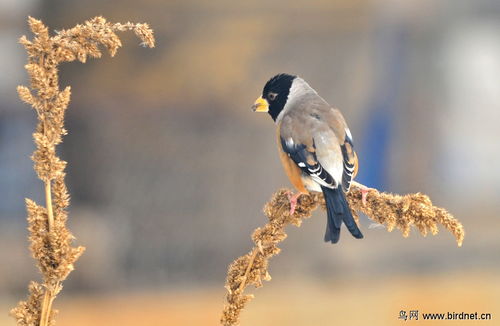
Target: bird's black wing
305, 158
349, 162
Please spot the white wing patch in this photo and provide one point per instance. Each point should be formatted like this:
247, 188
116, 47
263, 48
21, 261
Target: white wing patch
315, 174
348, 134
349, 169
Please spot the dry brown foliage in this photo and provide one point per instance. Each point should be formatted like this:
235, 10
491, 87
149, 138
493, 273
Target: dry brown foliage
50, 240
394, 211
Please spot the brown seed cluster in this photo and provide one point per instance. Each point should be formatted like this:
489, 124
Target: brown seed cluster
394, 211
402, 212
50, 240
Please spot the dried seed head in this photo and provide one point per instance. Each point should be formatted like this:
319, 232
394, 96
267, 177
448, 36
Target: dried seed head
394, 211
50, 240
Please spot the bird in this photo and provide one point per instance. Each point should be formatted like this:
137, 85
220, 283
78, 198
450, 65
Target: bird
315, 147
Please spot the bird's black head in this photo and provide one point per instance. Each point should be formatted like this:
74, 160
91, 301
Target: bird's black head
274, 95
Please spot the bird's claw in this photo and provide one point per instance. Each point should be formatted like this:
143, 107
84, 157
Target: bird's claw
293, 201
364, 194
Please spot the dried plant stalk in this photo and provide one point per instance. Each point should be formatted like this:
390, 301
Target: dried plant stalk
394, 211
50, 240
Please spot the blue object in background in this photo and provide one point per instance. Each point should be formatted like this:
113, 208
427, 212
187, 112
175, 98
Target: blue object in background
18, 180
391, 51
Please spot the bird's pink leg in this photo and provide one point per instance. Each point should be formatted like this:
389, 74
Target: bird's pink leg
293, 201
364, 194
364, 191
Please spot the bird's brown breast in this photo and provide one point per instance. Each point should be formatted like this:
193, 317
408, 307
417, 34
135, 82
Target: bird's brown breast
293, 172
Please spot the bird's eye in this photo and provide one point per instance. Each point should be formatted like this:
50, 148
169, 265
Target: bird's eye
272, 96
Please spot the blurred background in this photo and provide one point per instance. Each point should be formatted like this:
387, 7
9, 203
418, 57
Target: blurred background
169, 169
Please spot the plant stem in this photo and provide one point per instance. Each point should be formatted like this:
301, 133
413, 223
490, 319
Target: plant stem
48, 299
45, 304
49, 295
48, 201
249, 267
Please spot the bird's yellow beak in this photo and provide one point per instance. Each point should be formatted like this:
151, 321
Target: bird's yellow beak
260, 105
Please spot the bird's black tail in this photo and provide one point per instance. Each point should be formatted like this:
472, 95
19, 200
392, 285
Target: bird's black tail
338, 210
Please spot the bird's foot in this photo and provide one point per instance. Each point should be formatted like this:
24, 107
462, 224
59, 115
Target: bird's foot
293, 201
364, 193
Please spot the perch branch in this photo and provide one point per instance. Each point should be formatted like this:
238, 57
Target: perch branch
394, 211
